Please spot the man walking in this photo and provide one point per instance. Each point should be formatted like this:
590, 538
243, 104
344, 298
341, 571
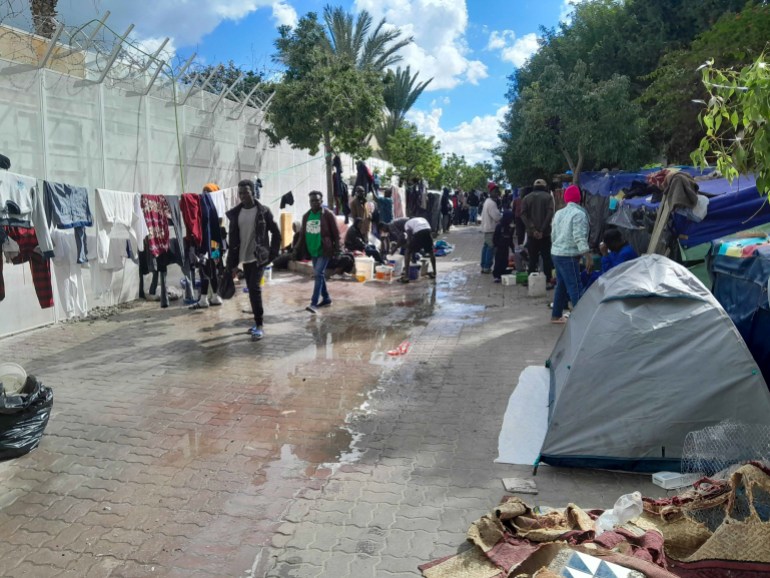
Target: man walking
537, 214
319, 239
490, 217
255, 240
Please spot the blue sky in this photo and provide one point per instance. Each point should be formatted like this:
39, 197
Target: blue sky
468, 47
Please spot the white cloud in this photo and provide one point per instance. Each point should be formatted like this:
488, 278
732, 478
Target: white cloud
284, 14
439, 50
512, 49
473, 139
186, 22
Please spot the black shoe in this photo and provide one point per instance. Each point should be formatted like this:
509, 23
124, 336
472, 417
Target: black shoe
325, 303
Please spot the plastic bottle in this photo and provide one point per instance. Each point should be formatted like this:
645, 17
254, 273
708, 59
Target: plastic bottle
628, 507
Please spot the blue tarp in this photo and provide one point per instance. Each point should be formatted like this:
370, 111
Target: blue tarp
740, 284
732, 207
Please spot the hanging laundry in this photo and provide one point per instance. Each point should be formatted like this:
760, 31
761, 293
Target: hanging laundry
231, 198
118, 216
21, 205
26, 239
190, 204
287, 200
212, 233
156, 214
68, 273
66, 207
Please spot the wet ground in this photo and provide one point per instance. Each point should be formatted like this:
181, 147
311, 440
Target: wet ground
177, 447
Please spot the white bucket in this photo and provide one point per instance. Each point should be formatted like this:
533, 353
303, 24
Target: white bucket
397, 262
536, 285
383, 273
364, 268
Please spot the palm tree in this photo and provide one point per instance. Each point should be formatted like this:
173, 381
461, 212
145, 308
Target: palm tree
357, 42
400, 93
43, 16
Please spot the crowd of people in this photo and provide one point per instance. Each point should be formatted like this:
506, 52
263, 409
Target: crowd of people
554, 241
526, 223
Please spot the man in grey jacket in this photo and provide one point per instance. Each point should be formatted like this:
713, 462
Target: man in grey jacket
537, 214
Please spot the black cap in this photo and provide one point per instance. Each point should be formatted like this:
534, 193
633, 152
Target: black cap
5, 162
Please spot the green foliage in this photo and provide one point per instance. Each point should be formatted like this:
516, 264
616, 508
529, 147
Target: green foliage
357, 42
735, 121
734, 40
400, 91
457, 173
223, 76
613, 39
325, 96
413, 154
574, 120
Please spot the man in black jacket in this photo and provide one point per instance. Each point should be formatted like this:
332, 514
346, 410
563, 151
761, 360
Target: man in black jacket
255, 240
537, 210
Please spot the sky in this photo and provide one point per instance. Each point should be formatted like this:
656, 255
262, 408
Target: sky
468, 47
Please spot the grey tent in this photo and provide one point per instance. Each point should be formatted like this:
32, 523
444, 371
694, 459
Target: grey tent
647, 356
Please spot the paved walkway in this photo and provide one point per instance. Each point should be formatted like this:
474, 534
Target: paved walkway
177, 447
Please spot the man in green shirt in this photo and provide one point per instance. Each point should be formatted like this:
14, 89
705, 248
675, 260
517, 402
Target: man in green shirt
319, 240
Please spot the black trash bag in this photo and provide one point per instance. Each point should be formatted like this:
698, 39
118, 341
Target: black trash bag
23, 417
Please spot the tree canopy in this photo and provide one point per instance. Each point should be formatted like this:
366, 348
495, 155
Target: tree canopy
631, 62
332, 91
413, 154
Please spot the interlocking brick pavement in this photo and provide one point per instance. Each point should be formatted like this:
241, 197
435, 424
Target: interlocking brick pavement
177, 447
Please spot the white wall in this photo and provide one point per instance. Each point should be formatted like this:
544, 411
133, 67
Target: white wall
61, 128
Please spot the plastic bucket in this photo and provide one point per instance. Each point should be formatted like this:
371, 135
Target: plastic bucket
12, 376
414, 272
364, 268
397, 262
383, 273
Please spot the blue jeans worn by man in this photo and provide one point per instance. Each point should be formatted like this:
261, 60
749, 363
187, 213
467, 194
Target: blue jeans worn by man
319, 288
488, 253
568, 285
473, 214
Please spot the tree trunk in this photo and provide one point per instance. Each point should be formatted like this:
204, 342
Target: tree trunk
578, 167
43, 16
329, 183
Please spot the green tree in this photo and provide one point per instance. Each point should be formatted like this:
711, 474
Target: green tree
737, 136
401, 91
735, 40
573, 120
223, 76
354, 40
331, 93
413, 154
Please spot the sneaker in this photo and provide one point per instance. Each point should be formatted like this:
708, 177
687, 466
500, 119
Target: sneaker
215, 300
256, 333
486, 271
403, 280
498, 280
325, 303
311, 309
203, 302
